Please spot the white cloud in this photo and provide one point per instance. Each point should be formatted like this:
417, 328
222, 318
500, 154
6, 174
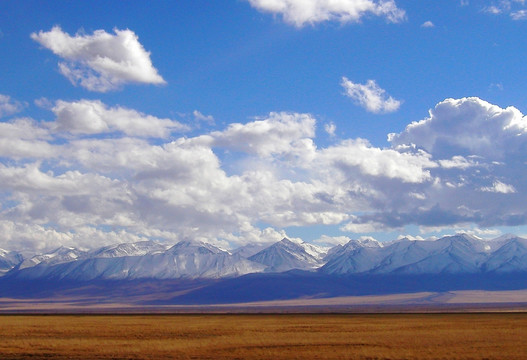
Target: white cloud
34, 237
101, 61
330, 128
332, 240
9, 106
275, 176
277, 134
93, 117
519, 15
352, 156
428, 24
410, 237
302, 12
514, 8
370, 96
365, 227
209, 119
24, 138
458, 162
480, 128
493, 10
499, 187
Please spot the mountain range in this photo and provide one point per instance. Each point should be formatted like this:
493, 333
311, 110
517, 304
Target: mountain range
285, 269
459, 254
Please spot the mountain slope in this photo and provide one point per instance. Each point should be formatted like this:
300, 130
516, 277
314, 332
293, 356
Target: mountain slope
511, 257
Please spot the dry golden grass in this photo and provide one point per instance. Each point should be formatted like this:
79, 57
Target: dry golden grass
383, 336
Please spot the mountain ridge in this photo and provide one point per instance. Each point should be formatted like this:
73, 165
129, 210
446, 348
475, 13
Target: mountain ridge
456, 254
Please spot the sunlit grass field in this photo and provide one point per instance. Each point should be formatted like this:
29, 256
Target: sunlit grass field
284, 336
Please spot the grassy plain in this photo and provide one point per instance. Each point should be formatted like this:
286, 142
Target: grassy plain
281, 336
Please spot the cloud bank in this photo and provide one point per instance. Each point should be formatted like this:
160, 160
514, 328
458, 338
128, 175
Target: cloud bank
101, 61
97, 173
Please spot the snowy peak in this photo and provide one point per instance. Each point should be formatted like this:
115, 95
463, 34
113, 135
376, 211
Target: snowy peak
287, 255
193, 246
461, 253
60, 255
128, 249
458, 254
249, 250
187, 259
9, 260
351, 246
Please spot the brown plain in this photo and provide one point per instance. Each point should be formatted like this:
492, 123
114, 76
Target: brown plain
278, 336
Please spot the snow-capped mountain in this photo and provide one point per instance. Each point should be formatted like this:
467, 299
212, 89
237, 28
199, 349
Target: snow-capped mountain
356, 256
249, 250
128, 249
60, 255
451, 254
8, 260
186, 259
351, 246
286, 255
511, 257
459, 254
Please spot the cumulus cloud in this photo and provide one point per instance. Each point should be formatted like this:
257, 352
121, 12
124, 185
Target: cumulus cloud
480, 128
9, 106
277, 134
358, 155
302, 12
370, 96
476, 144
101, 61
93, 117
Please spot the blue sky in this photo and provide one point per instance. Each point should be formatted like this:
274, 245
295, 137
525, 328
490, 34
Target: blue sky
244, 121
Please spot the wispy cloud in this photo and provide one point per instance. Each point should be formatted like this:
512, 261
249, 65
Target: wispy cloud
370, 96
519, 15
209, 119
9, 106
330, 128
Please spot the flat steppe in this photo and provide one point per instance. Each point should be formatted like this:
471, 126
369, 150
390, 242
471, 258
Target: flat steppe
265, 336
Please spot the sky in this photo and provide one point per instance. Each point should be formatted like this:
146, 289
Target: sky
244, 121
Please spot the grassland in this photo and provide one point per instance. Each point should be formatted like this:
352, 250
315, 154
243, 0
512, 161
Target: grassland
285, 336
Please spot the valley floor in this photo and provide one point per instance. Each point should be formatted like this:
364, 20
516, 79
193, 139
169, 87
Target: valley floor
278, 336
438, 302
